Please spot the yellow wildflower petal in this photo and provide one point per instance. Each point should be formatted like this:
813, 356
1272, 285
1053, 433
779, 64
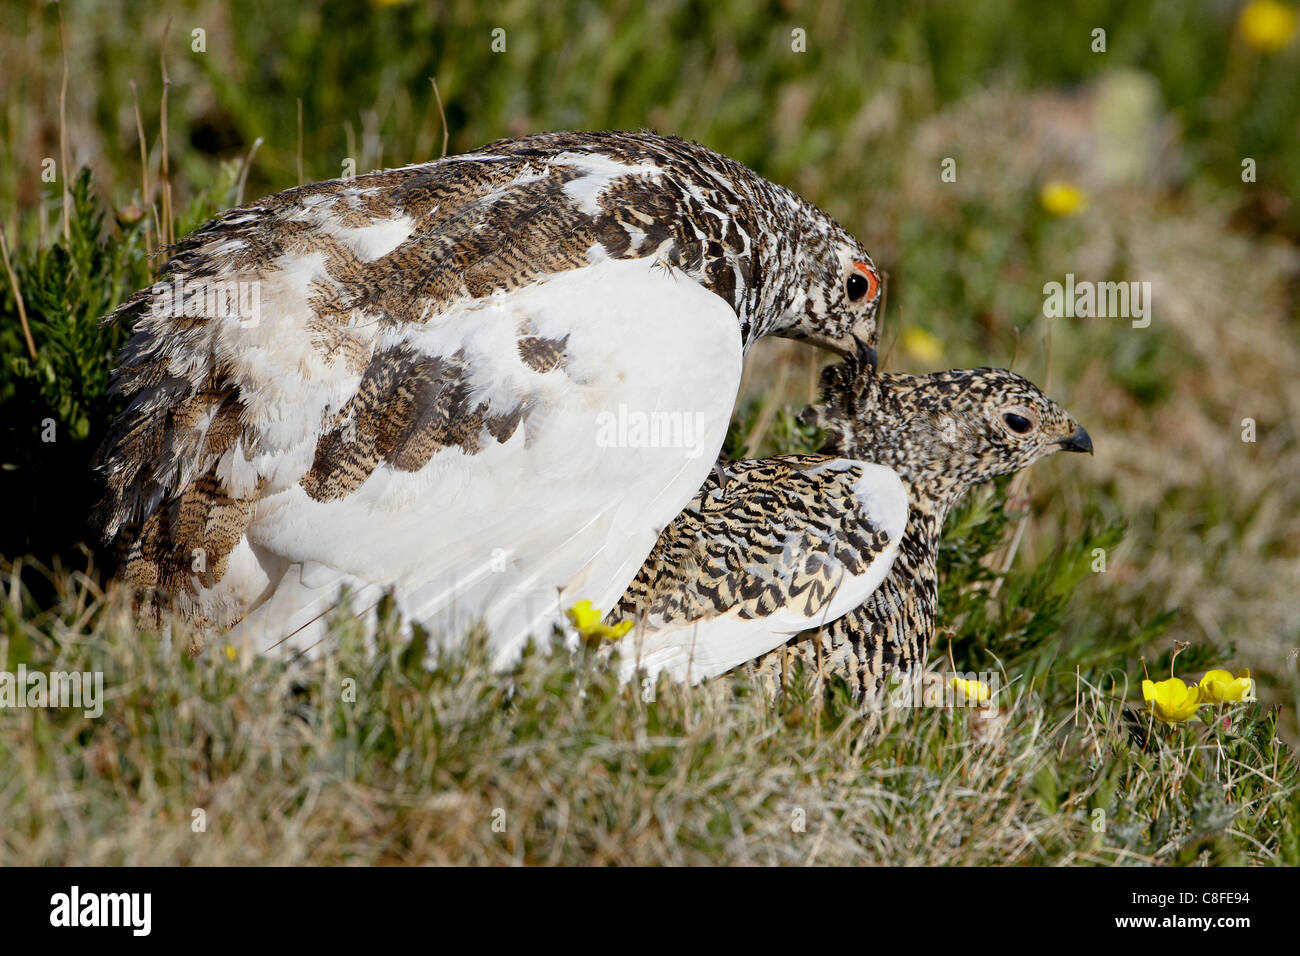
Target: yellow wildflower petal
1172, 701
971, 689
1216, 676
1267, 25
1061, 198
1243, 688
584, 617
921, 345
1249, 692
618, 630
1219, 685
588, 621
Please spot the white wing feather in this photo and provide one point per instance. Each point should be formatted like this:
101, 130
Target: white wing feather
567, 508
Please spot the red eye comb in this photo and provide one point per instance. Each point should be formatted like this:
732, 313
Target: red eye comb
873, 280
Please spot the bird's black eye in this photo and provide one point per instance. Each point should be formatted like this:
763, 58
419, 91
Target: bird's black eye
1017, 423
856, 286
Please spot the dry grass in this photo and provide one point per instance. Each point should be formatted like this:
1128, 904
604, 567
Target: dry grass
369, 759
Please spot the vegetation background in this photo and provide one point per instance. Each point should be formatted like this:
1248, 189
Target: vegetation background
152, 127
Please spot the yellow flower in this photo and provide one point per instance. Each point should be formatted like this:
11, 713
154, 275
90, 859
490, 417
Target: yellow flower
975, 690
1171, 700
921, 345
587, 620
1267, 25
1219, 685
1061, 198
231, 654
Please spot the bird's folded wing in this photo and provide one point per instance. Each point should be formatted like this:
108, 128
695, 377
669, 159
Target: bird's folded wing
509, 460
769, 549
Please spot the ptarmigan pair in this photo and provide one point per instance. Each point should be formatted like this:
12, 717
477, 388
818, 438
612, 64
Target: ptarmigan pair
418, 382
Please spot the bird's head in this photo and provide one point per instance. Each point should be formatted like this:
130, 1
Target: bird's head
947, 431
992, 421
833, 292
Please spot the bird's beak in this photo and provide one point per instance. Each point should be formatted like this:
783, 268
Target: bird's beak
865, 354
1078, 440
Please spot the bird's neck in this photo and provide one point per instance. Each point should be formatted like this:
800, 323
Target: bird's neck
782, 232
880, 421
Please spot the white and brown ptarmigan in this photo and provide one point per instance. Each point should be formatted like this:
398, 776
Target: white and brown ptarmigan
831, 558
484, 384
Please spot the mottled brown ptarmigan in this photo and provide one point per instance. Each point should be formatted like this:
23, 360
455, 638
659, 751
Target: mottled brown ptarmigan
484, 384
831, 558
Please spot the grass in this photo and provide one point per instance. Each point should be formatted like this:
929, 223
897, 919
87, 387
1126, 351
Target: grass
1067, 581
366, 758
